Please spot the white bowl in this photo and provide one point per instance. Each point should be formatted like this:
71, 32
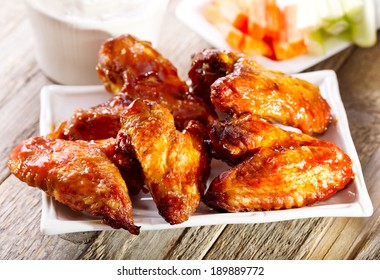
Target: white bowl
67, 39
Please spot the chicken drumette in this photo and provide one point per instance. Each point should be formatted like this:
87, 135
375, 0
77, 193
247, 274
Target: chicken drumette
174, 164
77, 174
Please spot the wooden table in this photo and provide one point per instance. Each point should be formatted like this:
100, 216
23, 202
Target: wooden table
316, 238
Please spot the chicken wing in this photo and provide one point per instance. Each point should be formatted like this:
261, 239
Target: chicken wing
134, 68
238, 137
281, 179
77, 174
236, 84
98, 122
272, 95
206, 67
174, 164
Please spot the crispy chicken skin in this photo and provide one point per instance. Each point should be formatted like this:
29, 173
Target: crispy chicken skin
134, 68
128, 166
272, 95
77, 174
238, 137
174, 164
281, 179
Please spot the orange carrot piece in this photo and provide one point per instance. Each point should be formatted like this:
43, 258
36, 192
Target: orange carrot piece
291, 41
256, 17
274, 20
252, 46
230, 10
232, 35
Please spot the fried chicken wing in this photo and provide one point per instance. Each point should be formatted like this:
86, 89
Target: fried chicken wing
77, 174
98, 122
272, 95
125, 64
281, 179
174, 164
236, 84
239, 137
206, 67
134, 68
78, 128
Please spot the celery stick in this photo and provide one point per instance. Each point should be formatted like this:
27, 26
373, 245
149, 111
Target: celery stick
353, 9
332, 16
336, 27
364, 31
315, 43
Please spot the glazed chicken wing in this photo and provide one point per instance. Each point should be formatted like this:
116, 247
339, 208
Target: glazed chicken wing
174, 164
236, 84
239, 137
98, 122
281, 179
77, 174
134, 68
126, 64
272, 95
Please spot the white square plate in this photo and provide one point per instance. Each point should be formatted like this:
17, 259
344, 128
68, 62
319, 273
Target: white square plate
190, 13
59, 102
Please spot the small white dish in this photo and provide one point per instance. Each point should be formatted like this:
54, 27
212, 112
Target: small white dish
59, 102
190, 13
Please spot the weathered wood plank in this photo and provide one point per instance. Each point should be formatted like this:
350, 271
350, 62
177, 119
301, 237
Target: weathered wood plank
280, 240
153, 245
20, 84
20, 237
350, 238
360, 90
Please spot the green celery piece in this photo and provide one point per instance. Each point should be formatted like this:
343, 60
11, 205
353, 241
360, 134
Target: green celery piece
364, 32
336, 27
315, 43
332, 16
353, 9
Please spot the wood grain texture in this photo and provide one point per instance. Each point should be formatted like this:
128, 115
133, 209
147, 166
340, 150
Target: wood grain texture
316, 238
20, 236
362, 242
